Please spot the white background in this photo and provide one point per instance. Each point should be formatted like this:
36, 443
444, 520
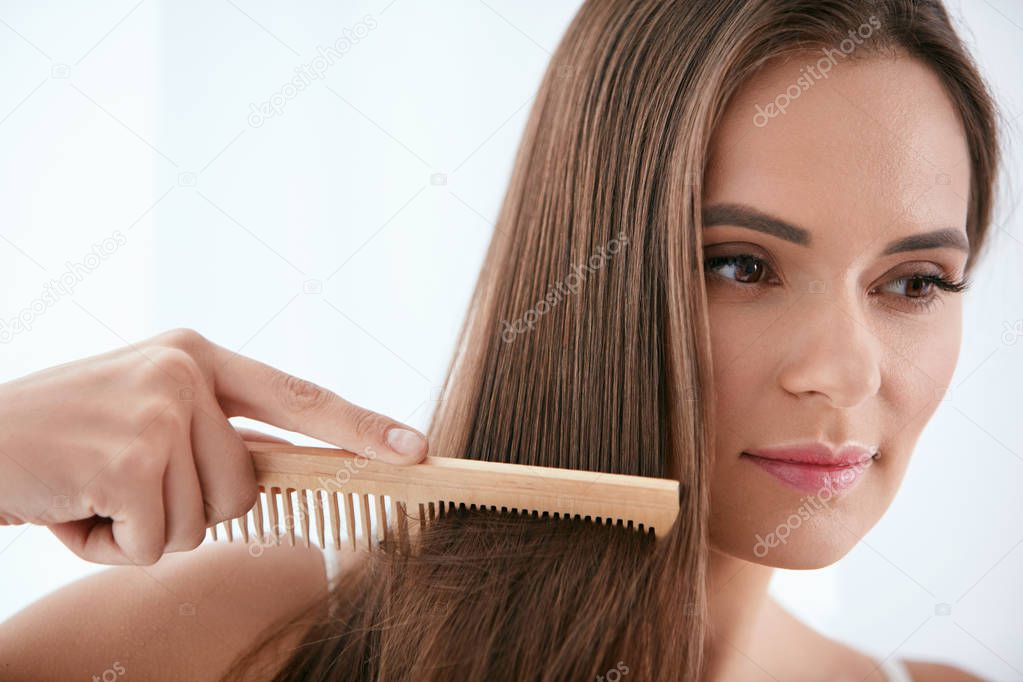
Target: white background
135, 117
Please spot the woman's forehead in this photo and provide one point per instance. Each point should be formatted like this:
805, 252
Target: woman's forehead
878, 145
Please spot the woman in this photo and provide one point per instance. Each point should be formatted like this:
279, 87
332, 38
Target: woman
768, 210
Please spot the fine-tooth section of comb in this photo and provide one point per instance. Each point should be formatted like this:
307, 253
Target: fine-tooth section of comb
360, 501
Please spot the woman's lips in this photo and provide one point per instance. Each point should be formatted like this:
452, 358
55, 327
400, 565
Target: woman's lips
810, 477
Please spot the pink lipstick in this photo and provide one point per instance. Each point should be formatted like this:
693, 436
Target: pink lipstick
814, 467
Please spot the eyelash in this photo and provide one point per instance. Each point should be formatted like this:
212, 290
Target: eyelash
921, 303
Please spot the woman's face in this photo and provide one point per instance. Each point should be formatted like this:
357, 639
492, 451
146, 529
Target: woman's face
822, 328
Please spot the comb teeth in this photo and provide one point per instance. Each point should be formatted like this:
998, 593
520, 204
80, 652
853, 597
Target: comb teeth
286, 516
361, 502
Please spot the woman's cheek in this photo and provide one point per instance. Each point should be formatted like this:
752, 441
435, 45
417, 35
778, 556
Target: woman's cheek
919, 359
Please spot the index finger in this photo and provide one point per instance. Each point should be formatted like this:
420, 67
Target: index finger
249, 388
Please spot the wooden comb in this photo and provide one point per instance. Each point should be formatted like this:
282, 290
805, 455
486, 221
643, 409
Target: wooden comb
294, 479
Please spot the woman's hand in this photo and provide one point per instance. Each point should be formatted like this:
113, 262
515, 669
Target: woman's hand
130, 454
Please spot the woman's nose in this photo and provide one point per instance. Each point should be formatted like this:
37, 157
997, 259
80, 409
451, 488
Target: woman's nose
831, 350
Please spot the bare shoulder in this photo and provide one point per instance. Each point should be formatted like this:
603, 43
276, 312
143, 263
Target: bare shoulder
834, 659
186, 617
927, 671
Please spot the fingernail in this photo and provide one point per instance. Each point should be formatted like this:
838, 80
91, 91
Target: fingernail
405, 442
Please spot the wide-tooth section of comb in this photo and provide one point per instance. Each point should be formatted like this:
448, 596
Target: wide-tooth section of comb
358, 499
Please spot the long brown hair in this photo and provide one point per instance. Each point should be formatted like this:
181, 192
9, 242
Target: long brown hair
586, 346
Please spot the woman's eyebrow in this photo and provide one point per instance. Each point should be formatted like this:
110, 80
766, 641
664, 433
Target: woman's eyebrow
742, 215
948, 237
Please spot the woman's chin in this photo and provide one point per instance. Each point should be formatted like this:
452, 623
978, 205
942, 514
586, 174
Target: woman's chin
790, 534
759, 519
809, 550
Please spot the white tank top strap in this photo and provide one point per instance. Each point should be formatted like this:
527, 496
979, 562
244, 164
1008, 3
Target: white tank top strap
895, 670
332, 564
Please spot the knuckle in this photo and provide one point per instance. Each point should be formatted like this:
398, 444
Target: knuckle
172, 421
177, 364
96, 496
298, 395
137, 464
145, 415
183, 338
156, 423
368, 425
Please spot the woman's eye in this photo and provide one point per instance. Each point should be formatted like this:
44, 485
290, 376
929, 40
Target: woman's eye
920, 291
743, 268
917, 286
924, 290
